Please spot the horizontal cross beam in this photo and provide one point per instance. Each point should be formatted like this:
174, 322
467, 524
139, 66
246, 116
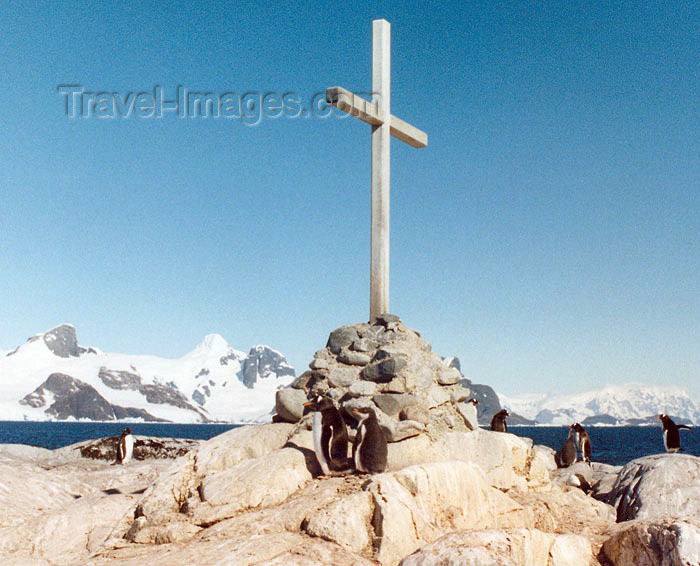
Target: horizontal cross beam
368, 112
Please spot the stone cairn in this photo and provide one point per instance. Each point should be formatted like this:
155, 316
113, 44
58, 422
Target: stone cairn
389, 367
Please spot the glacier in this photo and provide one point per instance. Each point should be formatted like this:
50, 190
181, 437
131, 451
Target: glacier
625, 403
212, 383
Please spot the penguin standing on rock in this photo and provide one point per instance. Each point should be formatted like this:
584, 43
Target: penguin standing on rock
125, 448
568, 451
330, 435
672, 440
369, 451
498, 422
583, 441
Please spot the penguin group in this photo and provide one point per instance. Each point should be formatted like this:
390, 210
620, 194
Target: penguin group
578, 439
576, 442
369, 449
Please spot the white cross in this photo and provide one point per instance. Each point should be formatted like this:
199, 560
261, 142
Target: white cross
377, 113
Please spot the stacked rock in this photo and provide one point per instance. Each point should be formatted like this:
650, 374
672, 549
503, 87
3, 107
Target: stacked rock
389, 367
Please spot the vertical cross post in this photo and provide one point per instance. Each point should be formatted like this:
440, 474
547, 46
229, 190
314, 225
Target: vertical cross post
381, 143
377, 113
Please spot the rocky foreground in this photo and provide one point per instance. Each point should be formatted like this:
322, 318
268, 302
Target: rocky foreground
252, 496
452, 493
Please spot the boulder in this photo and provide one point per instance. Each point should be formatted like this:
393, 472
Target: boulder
662, 541
663, 484
542, 466
469, 414
604, 479
509, 547
418, 504
318, 363
386, 319
415, 413
342, 376
393, 403
351, 357
404, 429
448, 376
564, 510
506, 459
364, 345
383, 371
362, 389
257, 482
341, 338
459, 394
289, 404
233, 446
344, 522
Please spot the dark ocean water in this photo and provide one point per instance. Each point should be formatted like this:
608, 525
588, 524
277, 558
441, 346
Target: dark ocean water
614, 445
57, 434
611, 445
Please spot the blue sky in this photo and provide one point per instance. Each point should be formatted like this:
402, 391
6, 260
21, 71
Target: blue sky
548, 235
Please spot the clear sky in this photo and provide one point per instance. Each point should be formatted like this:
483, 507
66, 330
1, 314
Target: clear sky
549, 235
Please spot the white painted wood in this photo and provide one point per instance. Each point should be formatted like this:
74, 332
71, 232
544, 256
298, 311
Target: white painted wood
377, 113
407, 133
381, 172
354, 105
368, 112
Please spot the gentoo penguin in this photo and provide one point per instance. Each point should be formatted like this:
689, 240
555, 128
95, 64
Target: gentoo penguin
583, 441
498, 422
125, 448
568, 451
330, 435
369, 451
672, 440
474, 401
577, 480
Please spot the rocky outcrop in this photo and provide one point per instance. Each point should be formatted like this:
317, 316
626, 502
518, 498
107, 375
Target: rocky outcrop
63, 342
122, 380
260, 482
59, 508
168, 394
506, 547
263, 363
252, 496
663, 541
72, 398
663, 484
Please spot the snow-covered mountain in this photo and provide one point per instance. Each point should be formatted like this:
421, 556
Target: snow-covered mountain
52, 377
632, 403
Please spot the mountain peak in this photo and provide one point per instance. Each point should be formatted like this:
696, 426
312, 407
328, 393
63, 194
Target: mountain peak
63, 342
619, 401
213, 344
